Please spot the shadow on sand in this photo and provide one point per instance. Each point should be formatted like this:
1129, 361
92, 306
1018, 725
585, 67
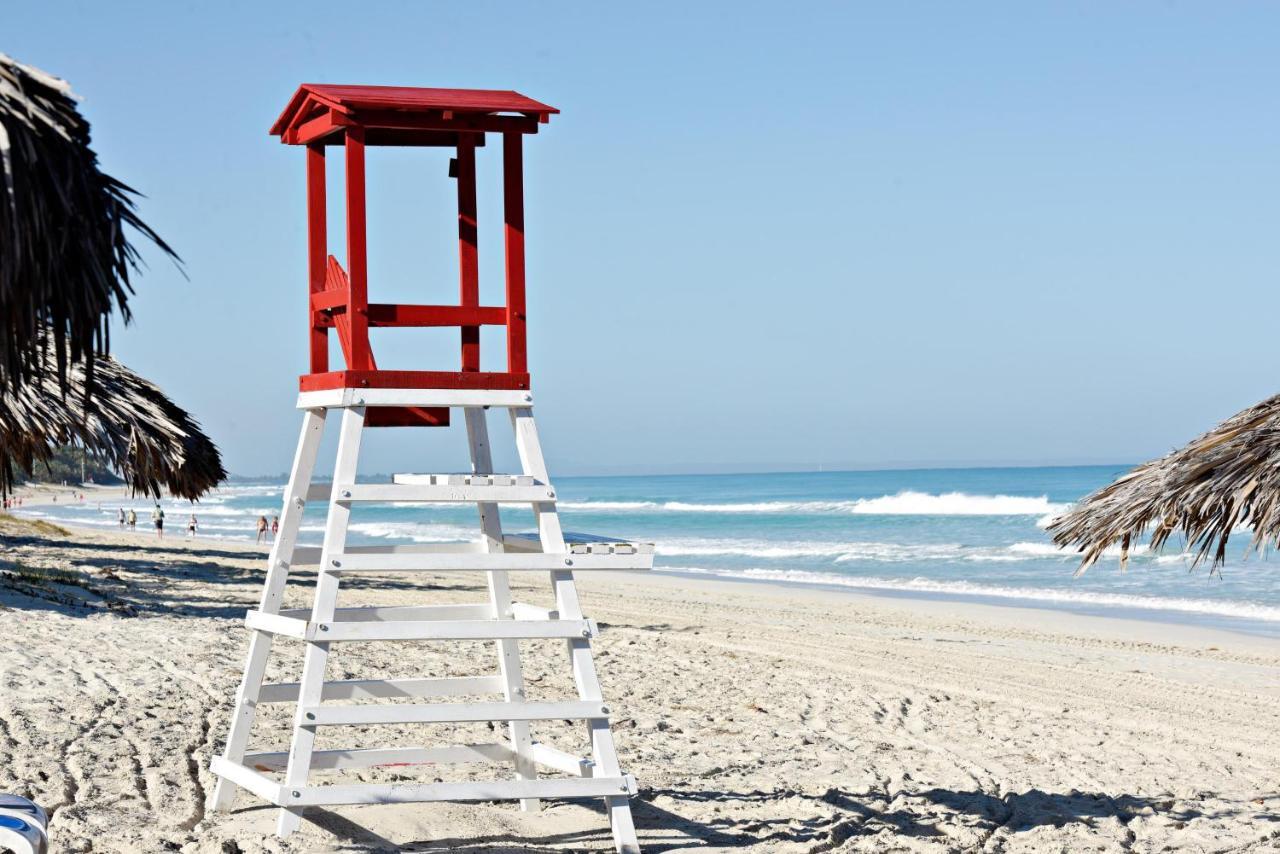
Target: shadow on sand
152, 578
830, 819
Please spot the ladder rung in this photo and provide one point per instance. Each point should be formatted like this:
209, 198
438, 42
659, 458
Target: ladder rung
248, 779
386, 492
379, 630
578, 544
478, 562
381, 689
440, 713
545, 754
492, 790
465, 479
384, 613
337, 760
310, 555
341, 397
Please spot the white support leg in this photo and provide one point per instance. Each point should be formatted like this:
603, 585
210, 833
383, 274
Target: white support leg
604, 752
311, 687
598, 777
500, 598
273, 591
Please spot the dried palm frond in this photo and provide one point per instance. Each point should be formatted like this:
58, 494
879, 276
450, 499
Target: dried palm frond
1228, 478
65, 257
129, 423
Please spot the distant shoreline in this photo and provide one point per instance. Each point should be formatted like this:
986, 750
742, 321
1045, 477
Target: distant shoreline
144, 537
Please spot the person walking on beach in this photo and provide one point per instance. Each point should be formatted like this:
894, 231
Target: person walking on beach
120, 517
191, 526
275, 527
133, 520
262, 527
157, 516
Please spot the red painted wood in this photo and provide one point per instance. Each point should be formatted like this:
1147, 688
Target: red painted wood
468, 257
396, 314
337, 283
331, 299
356, 117
386, 314
391, 128
313, 130
413, 379
513, 217
407, 416
317, 249
411, 98
410, 137
435, 120
361, 357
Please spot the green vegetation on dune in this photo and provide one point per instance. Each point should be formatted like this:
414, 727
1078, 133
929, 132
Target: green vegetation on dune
73, 464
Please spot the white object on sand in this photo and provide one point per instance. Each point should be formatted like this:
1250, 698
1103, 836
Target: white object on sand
23, 826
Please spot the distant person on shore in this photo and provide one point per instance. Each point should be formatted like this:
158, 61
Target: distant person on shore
133, 520
275, 527
191, 525
262, 527
121, 517
157, 516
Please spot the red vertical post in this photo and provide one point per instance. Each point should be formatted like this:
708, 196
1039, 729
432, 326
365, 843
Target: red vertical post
513, 217
317, 251
468, 258
357, 253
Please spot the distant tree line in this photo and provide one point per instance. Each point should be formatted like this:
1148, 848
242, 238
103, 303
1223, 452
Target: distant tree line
73, 464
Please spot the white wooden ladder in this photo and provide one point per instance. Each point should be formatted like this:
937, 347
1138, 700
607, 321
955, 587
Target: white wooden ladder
318, 702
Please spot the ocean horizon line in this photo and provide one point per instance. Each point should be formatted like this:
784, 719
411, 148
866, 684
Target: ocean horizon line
280, 477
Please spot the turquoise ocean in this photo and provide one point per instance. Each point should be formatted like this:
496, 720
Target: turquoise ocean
964, 535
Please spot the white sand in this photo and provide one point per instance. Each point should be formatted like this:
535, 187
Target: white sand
754, 717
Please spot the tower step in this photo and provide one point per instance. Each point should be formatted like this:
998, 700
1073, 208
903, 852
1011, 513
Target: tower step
578, 544
481, 562
448, 713
496, 790
375, 630
375, 689
329, 760
439, 487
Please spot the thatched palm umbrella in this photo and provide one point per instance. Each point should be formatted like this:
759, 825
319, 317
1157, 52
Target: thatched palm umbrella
65, 256
129, 423
65, 261
1228, 478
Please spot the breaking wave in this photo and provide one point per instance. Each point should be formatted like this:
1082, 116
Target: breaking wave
901, 504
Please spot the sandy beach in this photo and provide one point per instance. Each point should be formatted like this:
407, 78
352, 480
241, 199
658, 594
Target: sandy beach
755, 717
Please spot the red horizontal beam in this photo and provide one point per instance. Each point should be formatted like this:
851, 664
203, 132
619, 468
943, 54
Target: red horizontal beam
391, 314
413, 379
313, 130
438, 121
407, 416
407, 137
325, 300
381, 314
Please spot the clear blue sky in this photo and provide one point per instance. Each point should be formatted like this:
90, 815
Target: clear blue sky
760, 235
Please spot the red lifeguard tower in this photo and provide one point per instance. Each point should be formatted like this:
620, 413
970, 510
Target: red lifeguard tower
353, 118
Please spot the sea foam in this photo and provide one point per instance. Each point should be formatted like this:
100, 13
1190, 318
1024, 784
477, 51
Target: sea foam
1234, 609
901, 504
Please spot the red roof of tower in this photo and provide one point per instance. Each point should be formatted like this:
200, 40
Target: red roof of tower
314, 97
